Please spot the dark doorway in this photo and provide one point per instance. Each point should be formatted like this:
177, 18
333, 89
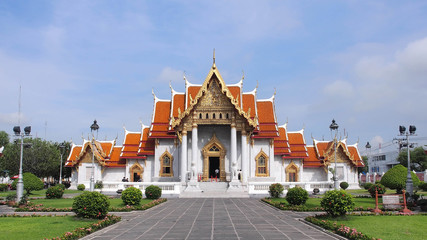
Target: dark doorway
136, 177
214, 164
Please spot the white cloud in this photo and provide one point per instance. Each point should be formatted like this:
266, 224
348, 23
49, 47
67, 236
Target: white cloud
169, 74
341, 89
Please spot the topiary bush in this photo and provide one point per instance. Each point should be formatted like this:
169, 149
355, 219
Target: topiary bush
395, 178
337, 202
31, 182
377, 187
62, 186
131, 196
297, 196
344, 185
81, 187
153, 192
423, 186
276, 190
54, 192
368, 185
91, 205
99, 185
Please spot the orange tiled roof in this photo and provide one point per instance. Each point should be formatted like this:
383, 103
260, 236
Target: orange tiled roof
192, 91
104, 152
356, 156
235, 91
178, 102
313, 160
146, 145
323, 148
160, 124
297, 144
266, 120
72, 157
249, 102
281, 144
131, 145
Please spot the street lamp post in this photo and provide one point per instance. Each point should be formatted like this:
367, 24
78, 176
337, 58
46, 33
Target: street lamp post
94, 127
368, 149
20, 183
61, 147
334, 127
409, 183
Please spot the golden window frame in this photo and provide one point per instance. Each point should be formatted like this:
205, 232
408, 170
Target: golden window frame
161, 173
292, 168
257, 159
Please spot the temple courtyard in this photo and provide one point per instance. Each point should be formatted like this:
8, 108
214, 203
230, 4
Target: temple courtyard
211, 218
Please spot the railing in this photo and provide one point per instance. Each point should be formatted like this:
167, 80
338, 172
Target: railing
167, 187
263, 187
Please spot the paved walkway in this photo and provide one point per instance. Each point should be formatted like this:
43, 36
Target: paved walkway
211, 219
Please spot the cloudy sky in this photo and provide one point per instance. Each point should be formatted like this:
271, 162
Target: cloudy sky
363, 63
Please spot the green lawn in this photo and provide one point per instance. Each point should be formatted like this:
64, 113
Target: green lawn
68, 202
39, 227
388, 227
315, 202
40, 193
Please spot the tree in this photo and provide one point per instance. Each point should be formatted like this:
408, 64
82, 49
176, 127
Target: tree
395, 178
31, 182
418, 159
364, 169
4, 138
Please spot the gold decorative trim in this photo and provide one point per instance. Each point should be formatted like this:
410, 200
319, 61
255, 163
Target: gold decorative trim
292, 168
203, 90
161, 173
136, 168
214, 141
257, 161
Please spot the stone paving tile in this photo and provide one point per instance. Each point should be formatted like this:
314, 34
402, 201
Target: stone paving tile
211, 219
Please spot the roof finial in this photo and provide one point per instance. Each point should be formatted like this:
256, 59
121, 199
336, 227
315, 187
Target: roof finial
243, 74
274, 92
256, 84
213, 65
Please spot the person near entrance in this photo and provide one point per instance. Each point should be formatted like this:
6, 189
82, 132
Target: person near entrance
216, 173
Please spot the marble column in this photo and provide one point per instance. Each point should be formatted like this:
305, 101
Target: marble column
194, 151
184, 157
244, 174
233, 152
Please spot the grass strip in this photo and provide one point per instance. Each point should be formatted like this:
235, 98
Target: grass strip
384, 226
313, 204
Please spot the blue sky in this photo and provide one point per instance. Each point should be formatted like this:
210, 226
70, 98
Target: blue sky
363, 63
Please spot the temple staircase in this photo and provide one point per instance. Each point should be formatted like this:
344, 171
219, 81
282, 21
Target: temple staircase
215, 190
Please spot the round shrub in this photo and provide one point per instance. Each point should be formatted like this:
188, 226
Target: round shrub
99, 185
81, 187
3, 187
153, 192
276, 190
337, 202
62, 186
344, 185
376, 187
368, 185
131, 196
31, 182
297, 196
91, 205
395, 178
54, 192
423, 186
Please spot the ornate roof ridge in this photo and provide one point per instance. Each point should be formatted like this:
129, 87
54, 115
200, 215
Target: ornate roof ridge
271, 99
253, 92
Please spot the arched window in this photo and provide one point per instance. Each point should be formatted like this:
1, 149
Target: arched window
166, 165
220, 116
292, 172
213, 115
200, 116
226, 116
207, 115
261, 165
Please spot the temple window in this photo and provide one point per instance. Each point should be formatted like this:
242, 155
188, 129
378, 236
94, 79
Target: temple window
213, 115
166, 161
261, 165
292, 172
220, 116
207, 115
200, 116
227, 116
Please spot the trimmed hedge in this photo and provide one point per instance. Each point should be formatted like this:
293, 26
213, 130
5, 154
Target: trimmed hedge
55, 192
344, 185
297, 196
276, 190
153, 192
31, 182
81, 187
423, 186
395, 178
132, 196
337, 202
91, 205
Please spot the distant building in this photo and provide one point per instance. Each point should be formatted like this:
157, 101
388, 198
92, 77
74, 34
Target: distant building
381, 162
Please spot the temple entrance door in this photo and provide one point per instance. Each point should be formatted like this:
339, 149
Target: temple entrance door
213, 165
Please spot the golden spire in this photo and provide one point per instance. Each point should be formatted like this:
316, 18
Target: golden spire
213, 65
